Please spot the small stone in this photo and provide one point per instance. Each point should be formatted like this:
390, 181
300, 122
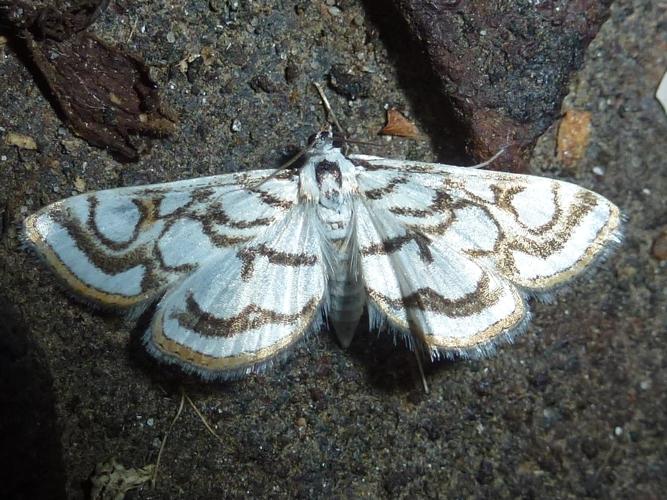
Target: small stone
236, 125
618, 431
291, 71
171, 38
661, 93
21, 141
263, 83
599, 171
80, 184
347, 84
659, 247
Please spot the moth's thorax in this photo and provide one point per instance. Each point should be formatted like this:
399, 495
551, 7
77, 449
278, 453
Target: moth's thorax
327, 177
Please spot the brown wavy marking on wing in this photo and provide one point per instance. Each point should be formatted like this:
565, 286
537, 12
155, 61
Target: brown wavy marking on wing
249, 254
427, 299
557, 239
393, 245
502, 326
80, 288
606, 233
266, 197
184, 354
251, 317
147, 208
504, 196
216, 213
378, 193
219, 240
442, 203
109, 264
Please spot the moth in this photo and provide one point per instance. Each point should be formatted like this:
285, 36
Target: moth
244, 265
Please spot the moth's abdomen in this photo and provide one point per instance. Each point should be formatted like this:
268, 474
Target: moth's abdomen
347, 298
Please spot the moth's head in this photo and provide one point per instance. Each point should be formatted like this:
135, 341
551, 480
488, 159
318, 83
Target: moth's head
325, 139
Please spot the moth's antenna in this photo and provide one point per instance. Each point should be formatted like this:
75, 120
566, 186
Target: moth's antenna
327, 107
490, 160
362, 143
283, 166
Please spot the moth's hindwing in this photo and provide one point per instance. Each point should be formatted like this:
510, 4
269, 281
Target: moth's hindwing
241, 309
431, 291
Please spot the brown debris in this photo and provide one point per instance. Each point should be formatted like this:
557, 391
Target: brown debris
398, 125
659, 247
573, 136
104, 94
504, 65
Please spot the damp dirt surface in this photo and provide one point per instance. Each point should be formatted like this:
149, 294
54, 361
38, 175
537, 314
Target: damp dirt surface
574, 408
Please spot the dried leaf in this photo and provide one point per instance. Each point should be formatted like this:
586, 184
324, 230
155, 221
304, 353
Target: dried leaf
398, 125
573, 136
111, 481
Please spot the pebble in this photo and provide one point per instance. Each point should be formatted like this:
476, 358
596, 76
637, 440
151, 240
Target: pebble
659, 247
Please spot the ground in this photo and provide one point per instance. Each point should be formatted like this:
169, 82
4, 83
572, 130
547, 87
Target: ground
575, 407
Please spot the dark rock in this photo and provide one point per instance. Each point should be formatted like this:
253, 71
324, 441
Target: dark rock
262, 83
505, 65
291, 71
485, 472
194, 69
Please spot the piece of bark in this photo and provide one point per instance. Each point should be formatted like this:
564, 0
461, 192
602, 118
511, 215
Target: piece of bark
103, 93
504, 64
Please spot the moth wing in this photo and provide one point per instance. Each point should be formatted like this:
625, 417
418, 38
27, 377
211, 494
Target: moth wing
240, 310
537, 232
122, 247
425, 288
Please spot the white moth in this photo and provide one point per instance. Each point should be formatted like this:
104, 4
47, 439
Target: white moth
244, 265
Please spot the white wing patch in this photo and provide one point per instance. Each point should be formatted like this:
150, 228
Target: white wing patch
244, 265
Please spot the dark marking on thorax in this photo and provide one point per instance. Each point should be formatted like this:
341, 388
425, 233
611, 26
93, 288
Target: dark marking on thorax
325, 168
